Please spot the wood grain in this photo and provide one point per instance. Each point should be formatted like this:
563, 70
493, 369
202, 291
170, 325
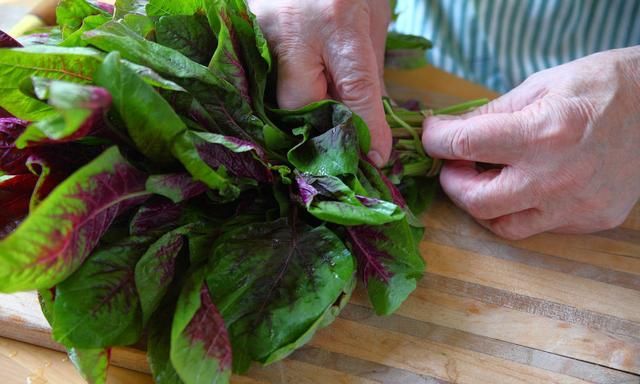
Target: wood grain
549, 309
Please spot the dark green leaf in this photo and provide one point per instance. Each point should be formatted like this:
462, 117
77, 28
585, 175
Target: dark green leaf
332, 138
156, 269
329, 199
158, 347
98, 306
272, 310
189, 35
218, 97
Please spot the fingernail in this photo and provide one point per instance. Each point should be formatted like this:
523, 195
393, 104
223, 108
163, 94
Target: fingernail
375, 157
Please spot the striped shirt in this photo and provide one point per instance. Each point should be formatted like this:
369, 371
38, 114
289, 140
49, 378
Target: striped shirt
499, 43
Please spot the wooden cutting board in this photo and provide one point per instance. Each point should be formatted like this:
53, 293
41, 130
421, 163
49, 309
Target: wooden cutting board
549, 309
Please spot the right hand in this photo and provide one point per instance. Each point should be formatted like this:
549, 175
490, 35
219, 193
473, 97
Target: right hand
331, 49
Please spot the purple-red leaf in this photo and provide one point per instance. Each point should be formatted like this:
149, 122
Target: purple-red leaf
176, 186
239, 157
156, 269
79, 109
370, 258
15, 193
207, 326
7, 41
57, 236
155, 215
12, 160
200, 345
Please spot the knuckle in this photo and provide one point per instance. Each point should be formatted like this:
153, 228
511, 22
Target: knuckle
460, 144
356, 89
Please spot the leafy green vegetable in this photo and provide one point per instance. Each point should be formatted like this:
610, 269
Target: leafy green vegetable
150, 185
189, 35
71, 64
269, 311
406, 51
77, 106
60, 233
92, 363
70, 14
200, 347
97, 306
155, 270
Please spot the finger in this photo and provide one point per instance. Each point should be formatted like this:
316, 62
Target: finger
380, 20
515, 100
301, 78
486, 195
354, 71
492, 138
520, 225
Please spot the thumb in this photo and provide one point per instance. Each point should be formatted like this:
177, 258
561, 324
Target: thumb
355, 76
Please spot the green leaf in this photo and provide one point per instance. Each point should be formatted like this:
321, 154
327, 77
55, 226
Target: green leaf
303, 271
242, 54
60, 233
200, 347
70, 64
332, 137
130, 7
218, 97
70, 14
419, 192
389, 261
406, 51
133, 99
171, 7
159, 345
98, 306
152, 78
90, 22
177, 187
329, 199
142, 25
161, 135
184, 146
156, 269
189, 35
78, 107
91, 363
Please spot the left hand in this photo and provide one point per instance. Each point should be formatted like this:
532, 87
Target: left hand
568, 139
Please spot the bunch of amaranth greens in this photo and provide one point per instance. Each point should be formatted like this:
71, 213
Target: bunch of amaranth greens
153, 193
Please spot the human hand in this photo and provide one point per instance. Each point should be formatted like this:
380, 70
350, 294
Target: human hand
331, 49
569, 141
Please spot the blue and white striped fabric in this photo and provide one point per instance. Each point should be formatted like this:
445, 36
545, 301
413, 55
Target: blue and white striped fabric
499, 43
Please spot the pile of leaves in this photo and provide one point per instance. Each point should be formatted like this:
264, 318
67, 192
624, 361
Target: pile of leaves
153, 193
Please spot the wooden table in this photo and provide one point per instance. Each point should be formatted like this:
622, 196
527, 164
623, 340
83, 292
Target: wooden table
549, 309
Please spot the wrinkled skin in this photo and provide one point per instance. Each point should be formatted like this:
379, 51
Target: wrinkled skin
331, 49
569, 140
